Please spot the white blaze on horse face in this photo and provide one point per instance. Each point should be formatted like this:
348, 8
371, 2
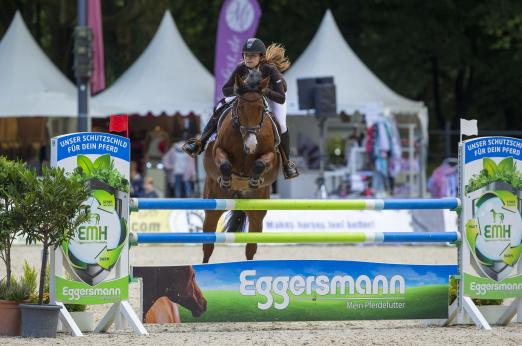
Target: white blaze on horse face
250, 143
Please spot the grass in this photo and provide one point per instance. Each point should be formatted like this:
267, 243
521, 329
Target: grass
419, 303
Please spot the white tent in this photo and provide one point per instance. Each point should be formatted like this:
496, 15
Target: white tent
167, 77
328, 54
30, 84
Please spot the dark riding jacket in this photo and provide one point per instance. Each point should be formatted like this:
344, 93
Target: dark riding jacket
276, 89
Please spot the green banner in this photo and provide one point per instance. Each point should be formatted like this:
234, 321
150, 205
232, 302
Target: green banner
485, 288
77, 292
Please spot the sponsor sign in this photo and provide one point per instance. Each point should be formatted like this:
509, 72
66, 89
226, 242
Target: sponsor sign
492, 223
302, 290
102, 161
297, 221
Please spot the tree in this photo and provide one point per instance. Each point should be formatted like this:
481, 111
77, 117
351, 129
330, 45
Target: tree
52, 211
11, 188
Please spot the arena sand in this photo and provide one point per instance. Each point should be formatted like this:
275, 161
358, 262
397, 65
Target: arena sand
280, 333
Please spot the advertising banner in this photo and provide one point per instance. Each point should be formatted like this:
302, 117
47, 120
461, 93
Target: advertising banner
238, 22
312, 221
300, 290
492, 180
102, 162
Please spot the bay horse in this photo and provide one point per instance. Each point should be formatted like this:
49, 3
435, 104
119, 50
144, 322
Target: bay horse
164, 288
244, 152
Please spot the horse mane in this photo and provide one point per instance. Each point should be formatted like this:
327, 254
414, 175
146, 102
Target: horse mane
252, 82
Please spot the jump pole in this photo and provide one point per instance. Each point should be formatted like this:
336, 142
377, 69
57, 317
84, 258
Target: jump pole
291, 204
293, 237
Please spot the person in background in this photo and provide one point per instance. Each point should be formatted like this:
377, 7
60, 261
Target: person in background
149, 191
181, 170
136, 180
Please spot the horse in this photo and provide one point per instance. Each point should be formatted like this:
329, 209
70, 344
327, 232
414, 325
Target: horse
242, 162
176, 284
163, 311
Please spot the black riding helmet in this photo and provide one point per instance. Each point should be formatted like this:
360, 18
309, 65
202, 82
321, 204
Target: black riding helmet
254, 46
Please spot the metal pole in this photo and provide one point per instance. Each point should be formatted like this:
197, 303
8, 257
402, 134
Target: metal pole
321, 187
447, 139
81, 82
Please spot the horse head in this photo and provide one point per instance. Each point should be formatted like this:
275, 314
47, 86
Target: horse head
249, 111
184, 289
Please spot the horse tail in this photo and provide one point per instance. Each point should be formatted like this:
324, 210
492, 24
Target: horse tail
276, 55
236, 221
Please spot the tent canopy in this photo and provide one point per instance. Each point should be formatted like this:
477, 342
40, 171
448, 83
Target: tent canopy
328, 54
30, 84
166, 78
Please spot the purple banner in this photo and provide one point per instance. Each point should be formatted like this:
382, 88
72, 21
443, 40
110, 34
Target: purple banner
238, 22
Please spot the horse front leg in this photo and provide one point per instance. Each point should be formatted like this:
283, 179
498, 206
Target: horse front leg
261, 165
225, 167
255, 222
209, 225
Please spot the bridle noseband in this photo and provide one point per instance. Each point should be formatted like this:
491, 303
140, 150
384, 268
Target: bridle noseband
245, 130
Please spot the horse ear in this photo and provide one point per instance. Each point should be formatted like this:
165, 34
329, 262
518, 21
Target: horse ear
239, 81
264, 83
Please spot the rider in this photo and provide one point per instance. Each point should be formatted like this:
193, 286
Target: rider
270, 62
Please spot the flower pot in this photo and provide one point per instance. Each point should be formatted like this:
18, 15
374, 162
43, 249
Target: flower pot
39, 321
9, 318
84, 320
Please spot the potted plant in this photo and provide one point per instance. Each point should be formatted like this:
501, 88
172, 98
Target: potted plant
52, 210
11, 186
11, 296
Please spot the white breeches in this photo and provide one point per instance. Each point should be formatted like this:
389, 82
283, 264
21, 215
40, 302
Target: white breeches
279, 111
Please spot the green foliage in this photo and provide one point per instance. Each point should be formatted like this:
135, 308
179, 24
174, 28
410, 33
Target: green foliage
52, 211
18, 291
102, 169
75, 307
478, 302
506, 171
29, 277
12, 188
53, 207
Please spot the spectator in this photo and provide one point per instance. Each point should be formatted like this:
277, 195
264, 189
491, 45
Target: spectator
136, 180
181, 170
148, 188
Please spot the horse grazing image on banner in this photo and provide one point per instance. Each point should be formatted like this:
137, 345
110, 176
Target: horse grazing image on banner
492, 223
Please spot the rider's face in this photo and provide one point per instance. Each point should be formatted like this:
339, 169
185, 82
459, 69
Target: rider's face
251, 60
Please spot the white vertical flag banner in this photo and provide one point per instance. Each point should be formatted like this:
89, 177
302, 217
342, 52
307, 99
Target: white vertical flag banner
468, 127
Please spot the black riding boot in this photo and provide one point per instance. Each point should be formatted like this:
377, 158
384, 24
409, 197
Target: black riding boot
195, 146
289, 168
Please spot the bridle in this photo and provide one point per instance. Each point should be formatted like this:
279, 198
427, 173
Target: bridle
245, 130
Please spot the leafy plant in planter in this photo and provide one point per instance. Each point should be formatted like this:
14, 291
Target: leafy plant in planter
52, 211
11, 188
10, 296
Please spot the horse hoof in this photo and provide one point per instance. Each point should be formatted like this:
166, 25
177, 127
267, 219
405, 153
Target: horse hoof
225, 182
255, 183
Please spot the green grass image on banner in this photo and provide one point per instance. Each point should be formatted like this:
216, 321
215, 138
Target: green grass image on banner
419, 303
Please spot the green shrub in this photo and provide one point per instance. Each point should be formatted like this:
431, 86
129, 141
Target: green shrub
478, 302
